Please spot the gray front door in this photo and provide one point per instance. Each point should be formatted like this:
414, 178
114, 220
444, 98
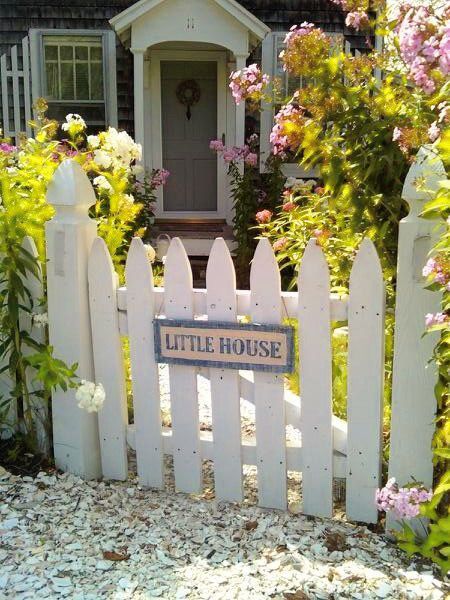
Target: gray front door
192, 185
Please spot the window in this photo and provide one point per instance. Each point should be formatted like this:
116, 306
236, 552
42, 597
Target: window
273, 44
76, 73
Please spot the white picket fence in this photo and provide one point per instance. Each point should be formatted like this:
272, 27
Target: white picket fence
328, 449
89, 314
15, 88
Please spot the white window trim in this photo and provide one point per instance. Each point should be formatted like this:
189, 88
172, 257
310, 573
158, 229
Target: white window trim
109, 66
269, 60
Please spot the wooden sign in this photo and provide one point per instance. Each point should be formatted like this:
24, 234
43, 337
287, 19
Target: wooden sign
254, 347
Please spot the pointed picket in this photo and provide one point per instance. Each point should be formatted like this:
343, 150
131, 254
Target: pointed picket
270, 419
108, 361
365, 384
179, 303
315, 382
225, 397
144, 369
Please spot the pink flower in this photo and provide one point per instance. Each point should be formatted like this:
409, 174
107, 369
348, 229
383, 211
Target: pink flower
159, 177
251, 159
434, 132
280, 244
7, 148
248, 83
438, 318
357, 20
288, 206
263, 216
403, 502
216, 145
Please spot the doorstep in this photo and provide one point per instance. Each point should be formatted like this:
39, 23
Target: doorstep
197, 235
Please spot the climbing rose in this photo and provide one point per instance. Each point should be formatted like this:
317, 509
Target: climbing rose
263, 216
90, 396
248, 83
403, 502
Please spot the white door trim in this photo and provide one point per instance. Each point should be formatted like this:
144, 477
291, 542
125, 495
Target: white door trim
154, 144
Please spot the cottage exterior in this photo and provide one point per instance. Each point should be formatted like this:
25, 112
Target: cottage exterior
126, 64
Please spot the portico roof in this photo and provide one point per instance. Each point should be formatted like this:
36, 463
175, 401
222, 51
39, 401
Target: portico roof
230, 8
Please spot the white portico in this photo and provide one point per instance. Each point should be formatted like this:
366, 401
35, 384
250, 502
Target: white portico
183, 53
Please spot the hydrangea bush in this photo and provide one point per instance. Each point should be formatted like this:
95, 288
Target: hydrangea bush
26, 170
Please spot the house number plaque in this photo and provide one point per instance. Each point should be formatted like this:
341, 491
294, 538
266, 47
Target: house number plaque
254, 347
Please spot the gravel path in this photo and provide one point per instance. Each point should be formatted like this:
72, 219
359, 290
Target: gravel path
61, 537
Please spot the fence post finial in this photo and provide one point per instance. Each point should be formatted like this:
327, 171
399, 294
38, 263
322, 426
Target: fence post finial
413, 401
69, 237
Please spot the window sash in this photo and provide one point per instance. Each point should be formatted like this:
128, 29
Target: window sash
72, 67
104, 39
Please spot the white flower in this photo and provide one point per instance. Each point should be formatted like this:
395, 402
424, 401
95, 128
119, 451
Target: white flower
40, 319
129, 198
93, 141
74, 123
90, 396
102, 183
122, 149
102, 159
151, 254
137, 169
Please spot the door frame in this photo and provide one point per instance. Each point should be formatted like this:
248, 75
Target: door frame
154, 134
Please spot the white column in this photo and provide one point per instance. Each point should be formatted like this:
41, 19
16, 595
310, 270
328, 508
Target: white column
69, 237
413, 400
139, 135
241, 60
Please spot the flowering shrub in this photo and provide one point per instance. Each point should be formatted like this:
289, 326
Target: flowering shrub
25, 172
306, 48
249, 190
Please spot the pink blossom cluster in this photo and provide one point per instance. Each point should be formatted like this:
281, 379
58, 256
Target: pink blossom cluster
439, 318
280, 244
357, 19
403, 502
235, 153
435, 129
159, 177
424, 39
249, 82
438, 271
287, 132
297, 31
263, 216
7, 148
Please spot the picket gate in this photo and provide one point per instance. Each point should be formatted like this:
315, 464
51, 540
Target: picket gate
330, 448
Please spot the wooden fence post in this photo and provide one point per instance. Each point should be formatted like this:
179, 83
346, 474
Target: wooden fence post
69, 237
413, 401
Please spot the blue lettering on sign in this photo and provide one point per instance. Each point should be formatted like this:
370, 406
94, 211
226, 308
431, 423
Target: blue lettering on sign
230, 345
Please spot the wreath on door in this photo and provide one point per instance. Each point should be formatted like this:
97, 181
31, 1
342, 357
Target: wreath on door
188, 94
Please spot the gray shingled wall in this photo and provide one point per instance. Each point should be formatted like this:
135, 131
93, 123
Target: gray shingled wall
18, 16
